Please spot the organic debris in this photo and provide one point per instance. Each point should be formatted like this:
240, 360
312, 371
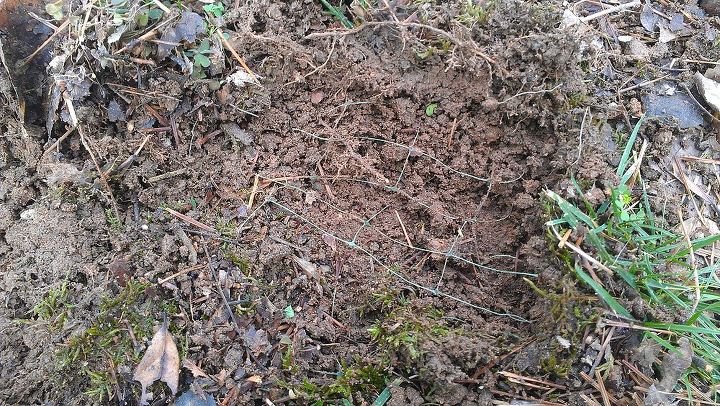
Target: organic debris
161, 361
709, 89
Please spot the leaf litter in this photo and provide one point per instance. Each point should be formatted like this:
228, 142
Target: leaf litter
160, 362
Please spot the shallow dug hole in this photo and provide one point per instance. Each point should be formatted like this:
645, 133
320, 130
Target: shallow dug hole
369, 217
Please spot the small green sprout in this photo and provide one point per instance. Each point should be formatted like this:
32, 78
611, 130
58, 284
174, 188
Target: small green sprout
289, 312
216, 9
55, 9
430, 109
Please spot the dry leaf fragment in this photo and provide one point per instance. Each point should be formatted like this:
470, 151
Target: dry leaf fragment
161, 361
709, 89
193, 368
307, 266
256, 379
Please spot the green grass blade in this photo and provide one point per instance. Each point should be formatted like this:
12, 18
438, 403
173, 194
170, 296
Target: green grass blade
697, 244
581, 194
337, 14
628, 148
604, 294
384, 396
573, 213
682, 328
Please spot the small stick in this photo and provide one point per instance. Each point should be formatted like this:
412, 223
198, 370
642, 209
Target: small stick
682, 396
452, 132
564, 238
697, 103
531, 92
487, 367
131, 158
407, 238
595, 385
142, 61
153, 32
700, 160
610, 10
191, 220
161, 42
227, 305
220, 290
511, 375
637, 372
603, 347
336, 322
167, 175
158, 116
643, 84
57, 143
583, 254
60, 29
201, 141
251, 200
145, 94
43, 21
635, 168
589, 400
162, 6
155, 130
325, 183
131, 333
176, 133
69, 105
603, 391
390, 10
180, 272
617, 323
235, 54
100, 171
317, 69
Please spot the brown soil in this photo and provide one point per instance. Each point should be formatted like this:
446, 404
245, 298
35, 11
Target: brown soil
370, 211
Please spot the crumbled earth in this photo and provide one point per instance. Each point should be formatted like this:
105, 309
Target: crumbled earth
363, 212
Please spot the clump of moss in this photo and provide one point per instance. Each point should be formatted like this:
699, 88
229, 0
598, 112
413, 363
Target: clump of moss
401, 326
361, 380
54, 307
113, 338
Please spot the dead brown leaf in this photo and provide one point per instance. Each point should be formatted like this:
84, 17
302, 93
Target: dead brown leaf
161, 361
193, 368
256, 379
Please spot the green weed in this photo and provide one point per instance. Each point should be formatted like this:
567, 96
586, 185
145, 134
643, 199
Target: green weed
575, 100
199, 56
623, 238
215, 9
474, 14
226, 228
112, 220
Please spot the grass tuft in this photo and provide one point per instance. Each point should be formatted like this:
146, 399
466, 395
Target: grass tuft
338, 14
620, 239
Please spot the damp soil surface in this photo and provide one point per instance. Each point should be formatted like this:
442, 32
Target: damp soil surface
359, 218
